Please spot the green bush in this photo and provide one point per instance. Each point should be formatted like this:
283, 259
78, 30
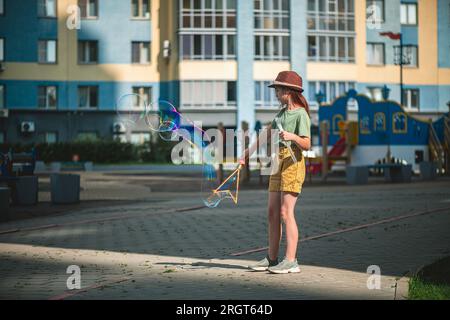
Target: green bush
97, 151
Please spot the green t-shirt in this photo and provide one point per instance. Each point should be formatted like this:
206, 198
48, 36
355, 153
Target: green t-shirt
295, 121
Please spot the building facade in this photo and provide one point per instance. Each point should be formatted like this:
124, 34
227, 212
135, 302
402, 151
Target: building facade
61, 75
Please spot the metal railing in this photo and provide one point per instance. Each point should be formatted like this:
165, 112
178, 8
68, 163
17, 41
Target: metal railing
437, 152
446, 145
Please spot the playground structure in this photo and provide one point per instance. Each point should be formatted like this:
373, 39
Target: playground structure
19, 183
17, 176
384, 134
17, 164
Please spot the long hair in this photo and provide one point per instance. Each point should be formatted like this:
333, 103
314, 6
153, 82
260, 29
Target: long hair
298, 98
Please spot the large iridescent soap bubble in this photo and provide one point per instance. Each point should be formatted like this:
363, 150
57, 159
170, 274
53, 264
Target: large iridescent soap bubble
162, 117
131, 109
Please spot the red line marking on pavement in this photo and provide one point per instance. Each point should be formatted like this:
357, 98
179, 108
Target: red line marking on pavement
118, 217
69, 294
190, 208
9, 231
29, 229
362, 226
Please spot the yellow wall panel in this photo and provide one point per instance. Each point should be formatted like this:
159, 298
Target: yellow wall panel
268, 70
208, 70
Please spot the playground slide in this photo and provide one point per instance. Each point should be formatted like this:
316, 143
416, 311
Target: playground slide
337, 150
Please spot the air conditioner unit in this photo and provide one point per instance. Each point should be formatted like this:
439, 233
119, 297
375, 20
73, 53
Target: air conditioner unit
166, 49
119, 127
4, 113
27, 127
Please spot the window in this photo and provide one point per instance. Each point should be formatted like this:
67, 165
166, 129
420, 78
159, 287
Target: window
2, 49
231, 92
207, 29
87, 136
145, 96
272, 15
411, 98
379, 122
272, 35
88, 8
375, 53
87, 52
2, 7
2, 137
120, 137
208, 47
331, 48
375, 93
331, 15
87, 97
268, 47
50, 137
208, 94
375, 10
47, 8
312, 46
400, 122
331, 30
408, 13
140, 9
140, 137
2, 96
47, 51
140, 52
409, 55
47, 97
207, 14
265, 96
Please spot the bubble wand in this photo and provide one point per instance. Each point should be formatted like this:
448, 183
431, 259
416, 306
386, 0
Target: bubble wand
221, 194
286, 143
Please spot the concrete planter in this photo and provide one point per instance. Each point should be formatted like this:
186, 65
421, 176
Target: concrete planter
357, 175
428, 170
5, 195
65, 188
399, 174
26, 190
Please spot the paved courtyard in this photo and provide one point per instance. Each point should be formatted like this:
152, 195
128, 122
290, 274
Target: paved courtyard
166, 246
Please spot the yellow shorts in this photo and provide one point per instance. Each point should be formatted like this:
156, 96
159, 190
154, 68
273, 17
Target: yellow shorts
290, 175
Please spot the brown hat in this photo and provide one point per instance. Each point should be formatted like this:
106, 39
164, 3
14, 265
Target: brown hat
289, 79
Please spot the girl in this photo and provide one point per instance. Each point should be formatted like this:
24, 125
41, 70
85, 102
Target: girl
286, 184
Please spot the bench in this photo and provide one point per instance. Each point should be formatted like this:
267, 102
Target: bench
56, 167
78, 165
392, 173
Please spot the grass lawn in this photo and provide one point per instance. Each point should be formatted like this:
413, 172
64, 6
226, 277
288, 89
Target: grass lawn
432, 282
421, 290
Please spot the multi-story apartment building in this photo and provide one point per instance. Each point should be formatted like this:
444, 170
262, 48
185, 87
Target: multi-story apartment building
212, 59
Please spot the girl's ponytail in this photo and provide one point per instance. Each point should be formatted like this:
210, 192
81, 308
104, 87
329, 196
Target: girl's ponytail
300, 99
